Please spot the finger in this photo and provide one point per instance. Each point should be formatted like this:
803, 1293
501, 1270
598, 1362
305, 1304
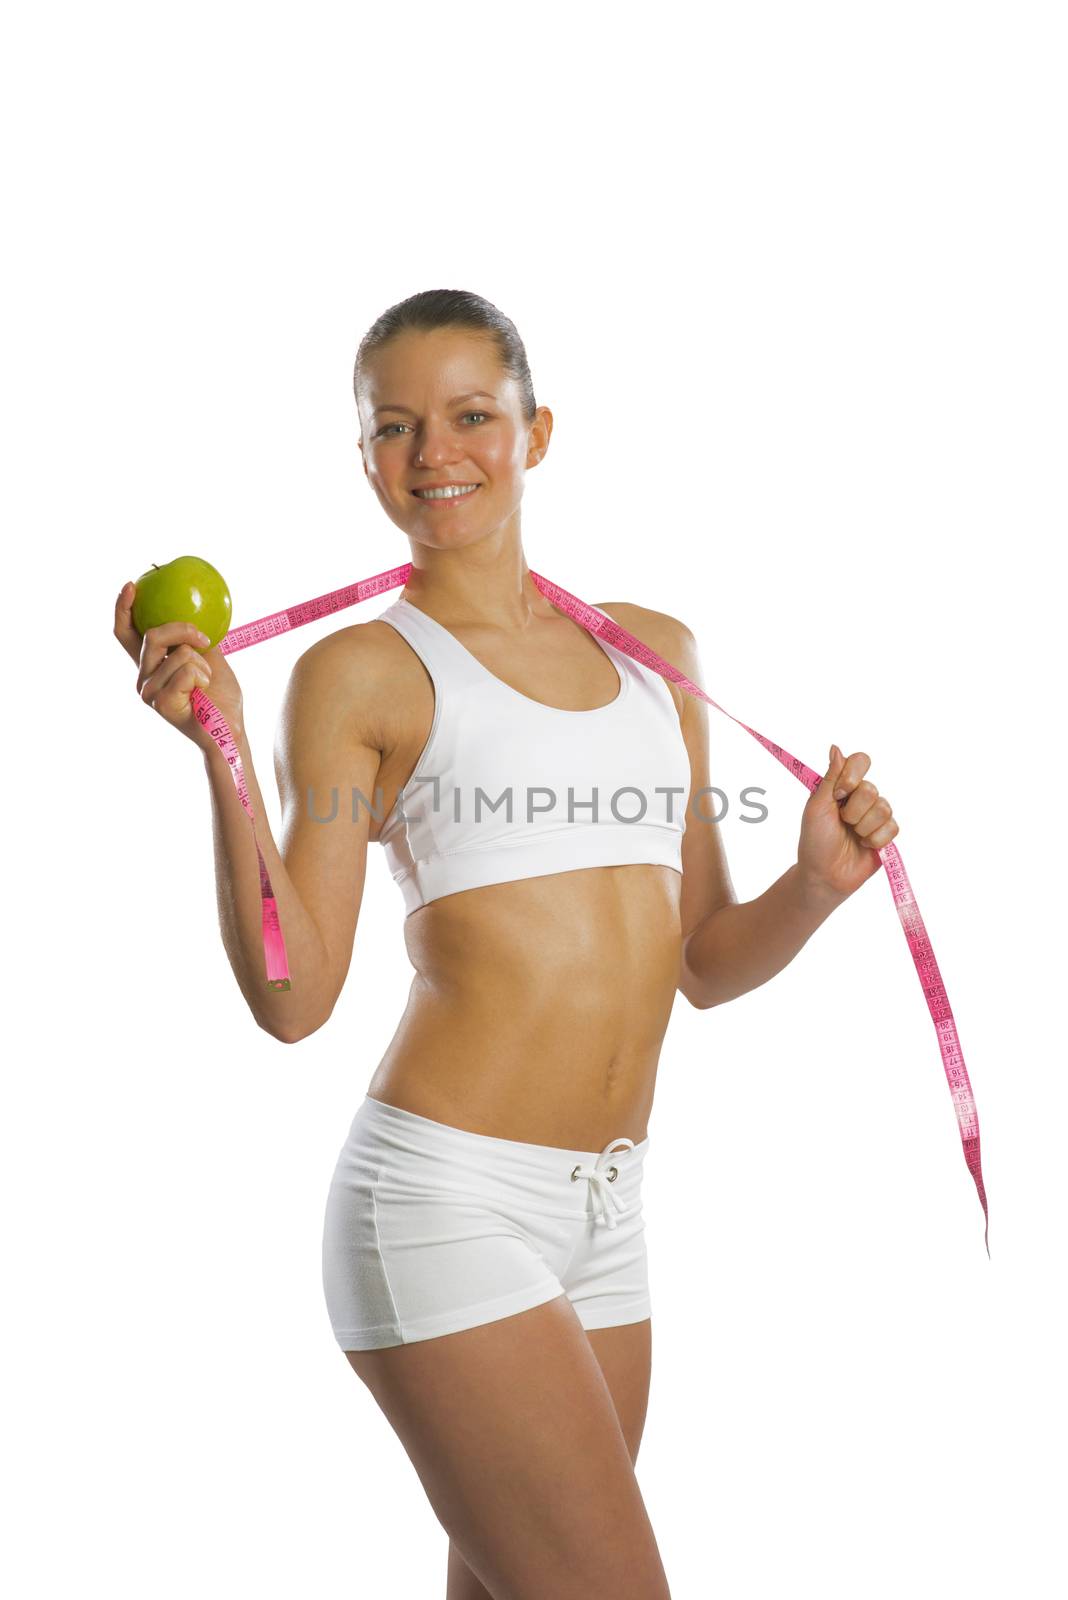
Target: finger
184, 659
881, 836
168, 671
175, 694
853, 770
171, 633
876, 815
167, 636
860, 801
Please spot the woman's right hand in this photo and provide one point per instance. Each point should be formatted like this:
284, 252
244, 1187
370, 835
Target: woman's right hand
173, 661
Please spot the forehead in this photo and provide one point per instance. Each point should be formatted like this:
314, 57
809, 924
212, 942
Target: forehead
416, 368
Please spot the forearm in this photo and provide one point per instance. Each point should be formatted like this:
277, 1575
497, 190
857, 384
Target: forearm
740, 946
287, 1014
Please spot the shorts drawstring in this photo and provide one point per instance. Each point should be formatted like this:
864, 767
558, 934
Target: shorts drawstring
601, 1176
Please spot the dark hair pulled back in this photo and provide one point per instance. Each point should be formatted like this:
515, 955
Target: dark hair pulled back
452, 308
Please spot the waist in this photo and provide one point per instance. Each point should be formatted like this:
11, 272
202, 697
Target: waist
519, 1101
561, 1065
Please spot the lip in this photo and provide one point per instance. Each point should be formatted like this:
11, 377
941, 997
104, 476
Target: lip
449, 500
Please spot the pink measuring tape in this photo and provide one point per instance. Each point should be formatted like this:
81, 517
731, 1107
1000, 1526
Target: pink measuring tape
908, 911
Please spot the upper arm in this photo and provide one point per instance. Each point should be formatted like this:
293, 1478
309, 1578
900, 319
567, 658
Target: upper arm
328, 745
706, 879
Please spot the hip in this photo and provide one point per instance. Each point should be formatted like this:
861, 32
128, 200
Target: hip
431, 1228
421, 1168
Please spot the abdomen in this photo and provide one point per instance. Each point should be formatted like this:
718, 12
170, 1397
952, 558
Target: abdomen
540, 1006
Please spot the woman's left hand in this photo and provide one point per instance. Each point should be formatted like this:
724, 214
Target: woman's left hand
840, 838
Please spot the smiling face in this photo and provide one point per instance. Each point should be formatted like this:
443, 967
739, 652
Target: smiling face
437, 410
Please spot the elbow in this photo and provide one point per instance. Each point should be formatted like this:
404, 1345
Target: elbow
283, 1032
697, 994
691, 988
297, 1013
291, 1032
698, 998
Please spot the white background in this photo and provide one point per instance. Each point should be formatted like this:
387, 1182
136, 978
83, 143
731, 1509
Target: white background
791, 279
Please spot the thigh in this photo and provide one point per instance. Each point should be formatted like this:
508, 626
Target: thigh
513, 1431
624, 1355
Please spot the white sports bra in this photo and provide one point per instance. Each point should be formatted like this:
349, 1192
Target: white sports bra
508, 788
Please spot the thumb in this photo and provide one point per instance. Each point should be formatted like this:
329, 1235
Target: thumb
830, 777
124, 629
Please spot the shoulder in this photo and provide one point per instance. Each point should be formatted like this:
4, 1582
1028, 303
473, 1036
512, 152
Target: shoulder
362, 647
348, 679
668, 635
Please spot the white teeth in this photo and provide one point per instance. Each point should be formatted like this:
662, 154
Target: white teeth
450, 493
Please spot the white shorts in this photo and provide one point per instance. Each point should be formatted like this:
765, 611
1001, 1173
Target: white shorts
430, 1229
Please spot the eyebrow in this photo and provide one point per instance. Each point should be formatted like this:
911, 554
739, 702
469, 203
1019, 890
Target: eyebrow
476, 394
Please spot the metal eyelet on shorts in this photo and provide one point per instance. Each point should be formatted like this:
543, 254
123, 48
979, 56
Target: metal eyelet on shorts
574, 1175
613, 1174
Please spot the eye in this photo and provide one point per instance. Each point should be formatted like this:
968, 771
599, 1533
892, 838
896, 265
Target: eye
382, 432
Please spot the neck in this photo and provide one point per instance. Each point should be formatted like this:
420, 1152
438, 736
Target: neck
488, 583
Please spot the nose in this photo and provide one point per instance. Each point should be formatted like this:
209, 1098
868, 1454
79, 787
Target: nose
434, 447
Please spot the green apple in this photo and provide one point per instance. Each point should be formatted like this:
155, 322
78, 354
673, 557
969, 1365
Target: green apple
187, 589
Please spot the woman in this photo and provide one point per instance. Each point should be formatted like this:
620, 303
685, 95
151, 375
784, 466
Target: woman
483, 1257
